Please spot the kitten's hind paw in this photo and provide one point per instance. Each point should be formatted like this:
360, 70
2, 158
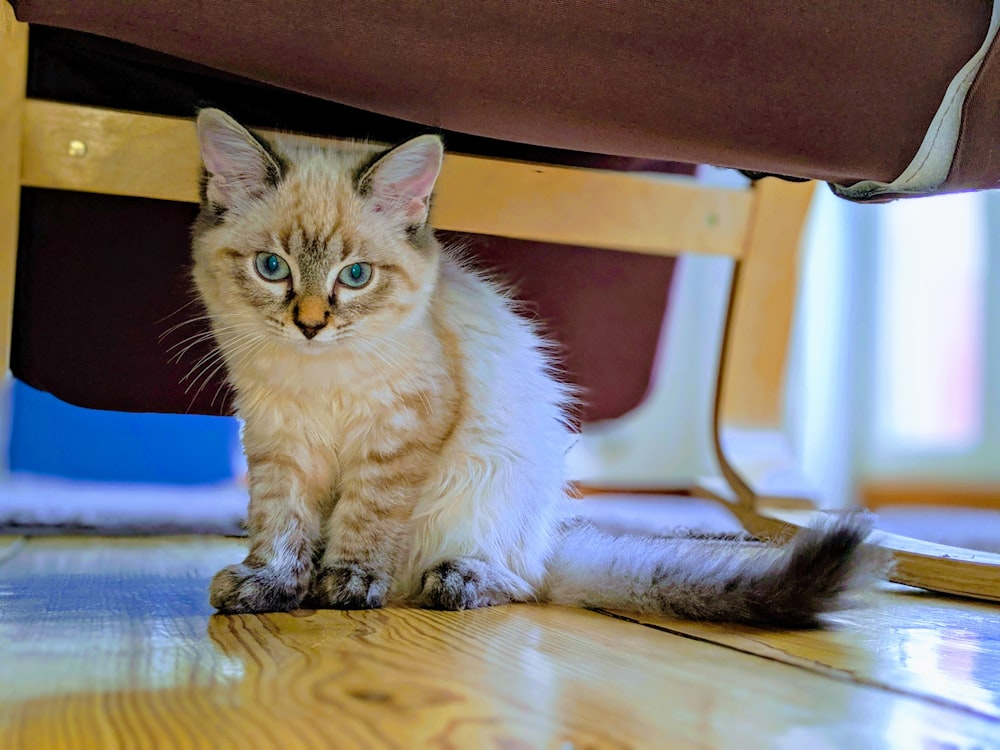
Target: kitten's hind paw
241, 589
461, 583
347, 584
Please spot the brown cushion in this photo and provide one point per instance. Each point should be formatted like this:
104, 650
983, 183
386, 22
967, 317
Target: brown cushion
977, 157
835, 90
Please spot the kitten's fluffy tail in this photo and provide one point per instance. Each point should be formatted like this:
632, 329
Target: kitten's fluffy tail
715, 579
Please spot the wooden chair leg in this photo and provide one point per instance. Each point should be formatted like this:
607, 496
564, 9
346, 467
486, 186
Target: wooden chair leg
763, 487
749, 409
13, 77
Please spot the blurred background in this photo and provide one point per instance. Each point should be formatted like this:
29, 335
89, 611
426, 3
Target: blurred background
893, 394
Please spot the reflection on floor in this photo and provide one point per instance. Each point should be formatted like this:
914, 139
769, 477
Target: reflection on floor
110, 642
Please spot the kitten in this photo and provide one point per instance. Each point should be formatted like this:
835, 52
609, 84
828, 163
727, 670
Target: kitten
403, 430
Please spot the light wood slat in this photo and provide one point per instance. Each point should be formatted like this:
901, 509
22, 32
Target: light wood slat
616, 210
13, 76
109, 643
764, 298
749, 425
156, 157
749, 431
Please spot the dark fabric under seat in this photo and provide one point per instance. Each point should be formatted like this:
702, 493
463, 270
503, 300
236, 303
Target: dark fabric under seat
101, 278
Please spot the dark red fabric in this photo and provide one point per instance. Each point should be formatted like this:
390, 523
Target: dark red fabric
839, 90
977, 158
603, 308
103, 280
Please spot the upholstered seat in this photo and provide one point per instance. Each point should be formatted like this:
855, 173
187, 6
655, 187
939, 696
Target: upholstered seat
828, 90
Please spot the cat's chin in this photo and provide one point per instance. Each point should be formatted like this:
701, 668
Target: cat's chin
313, 348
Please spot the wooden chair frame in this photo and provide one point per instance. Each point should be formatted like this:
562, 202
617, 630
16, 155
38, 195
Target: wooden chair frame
68, 147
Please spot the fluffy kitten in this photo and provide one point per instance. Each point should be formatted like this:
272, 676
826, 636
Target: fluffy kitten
403, 431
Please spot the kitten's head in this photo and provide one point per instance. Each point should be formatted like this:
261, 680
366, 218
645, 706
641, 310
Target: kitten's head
309, 247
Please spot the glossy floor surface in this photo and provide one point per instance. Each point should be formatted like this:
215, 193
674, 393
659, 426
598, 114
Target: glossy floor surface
110, 643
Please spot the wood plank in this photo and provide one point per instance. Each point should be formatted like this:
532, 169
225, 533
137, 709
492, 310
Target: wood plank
909, 641
10, 545
106, 151
110, 643
13, 76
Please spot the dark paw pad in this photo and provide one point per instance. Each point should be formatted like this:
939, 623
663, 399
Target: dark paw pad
458, 584
350, 585
239, 589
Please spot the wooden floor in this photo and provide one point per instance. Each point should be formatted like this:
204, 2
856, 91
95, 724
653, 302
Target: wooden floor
110, 643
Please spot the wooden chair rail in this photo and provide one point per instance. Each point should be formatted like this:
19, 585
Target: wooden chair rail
89, 149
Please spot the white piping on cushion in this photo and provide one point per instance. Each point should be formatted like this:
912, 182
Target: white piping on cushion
930, 167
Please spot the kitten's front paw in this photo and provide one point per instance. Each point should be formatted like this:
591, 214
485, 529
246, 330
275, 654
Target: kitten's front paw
348, 584
238, 589
461, 583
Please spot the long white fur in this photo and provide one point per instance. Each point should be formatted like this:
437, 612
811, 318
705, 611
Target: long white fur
498, 490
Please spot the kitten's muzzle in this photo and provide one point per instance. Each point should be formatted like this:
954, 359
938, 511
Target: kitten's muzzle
310, 317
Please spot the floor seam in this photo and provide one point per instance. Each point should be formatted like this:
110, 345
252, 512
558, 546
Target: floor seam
18, 545
839, 675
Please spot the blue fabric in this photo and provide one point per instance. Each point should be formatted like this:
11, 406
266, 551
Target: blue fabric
51, 437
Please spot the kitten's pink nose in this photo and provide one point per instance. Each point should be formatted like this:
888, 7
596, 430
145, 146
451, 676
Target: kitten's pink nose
309, 330
311, 316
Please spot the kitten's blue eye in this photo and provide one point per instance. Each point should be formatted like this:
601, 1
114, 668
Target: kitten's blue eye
272, 267
355, 275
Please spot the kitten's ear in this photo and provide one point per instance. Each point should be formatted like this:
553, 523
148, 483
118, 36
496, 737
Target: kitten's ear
239, 167
401, 182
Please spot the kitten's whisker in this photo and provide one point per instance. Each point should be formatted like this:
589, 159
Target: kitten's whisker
179, 309
205, 374
230, 356
202, 335
207, 379
235, 333
236, 362
200, 366
224, 351
183, 323
204, 381
200, 318
211, 358
223, 385
190, 342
